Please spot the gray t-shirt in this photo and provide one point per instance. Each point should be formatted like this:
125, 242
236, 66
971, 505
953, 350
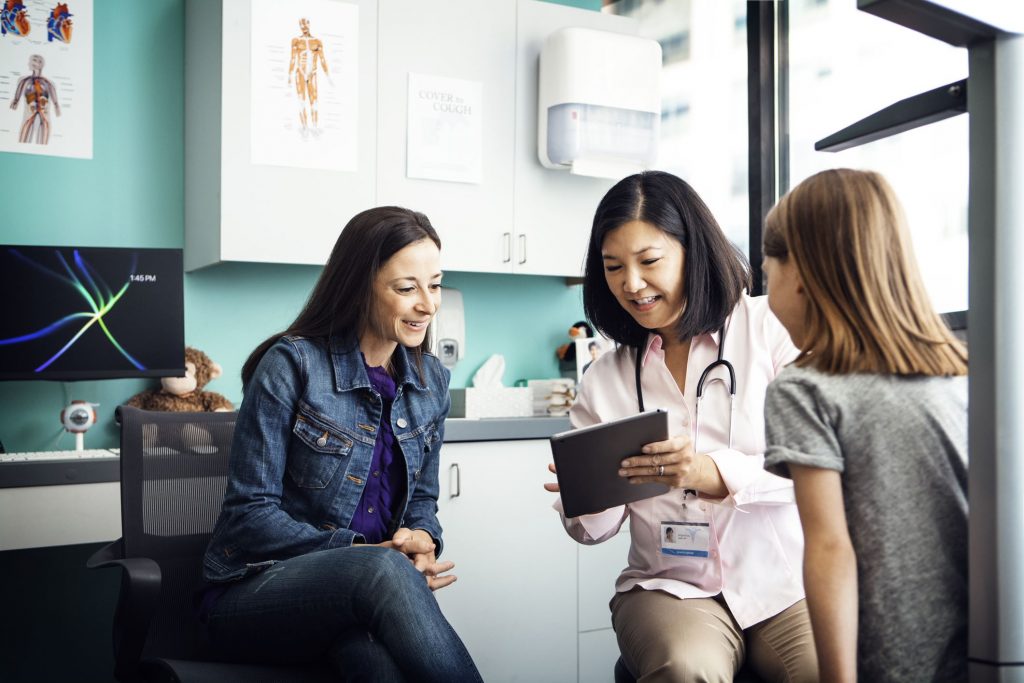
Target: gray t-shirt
901, 446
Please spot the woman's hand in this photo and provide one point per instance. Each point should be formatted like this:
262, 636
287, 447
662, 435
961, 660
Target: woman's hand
675, 463
419, 547
553, 487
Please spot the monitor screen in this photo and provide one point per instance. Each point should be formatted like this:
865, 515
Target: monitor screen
79, 313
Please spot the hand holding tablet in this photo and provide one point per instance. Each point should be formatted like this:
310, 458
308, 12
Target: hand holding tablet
588, 460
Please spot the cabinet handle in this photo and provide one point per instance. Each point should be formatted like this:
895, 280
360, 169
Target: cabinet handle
506, 247
456, 490
522, 249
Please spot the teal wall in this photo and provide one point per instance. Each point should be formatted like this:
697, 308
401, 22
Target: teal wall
131, 193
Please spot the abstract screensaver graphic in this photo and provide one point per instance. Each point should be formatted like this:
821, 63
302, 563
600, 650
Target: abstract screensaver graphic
97, 301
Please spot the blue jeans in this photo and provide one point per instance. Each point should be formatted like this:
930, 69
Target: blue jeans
365, 609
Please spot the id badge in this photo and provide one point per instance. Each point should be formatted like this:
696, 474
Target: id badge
685, 539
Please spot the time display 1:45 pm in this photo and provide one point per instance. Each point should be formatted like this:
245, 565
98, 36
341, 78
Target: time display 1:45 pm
142, 277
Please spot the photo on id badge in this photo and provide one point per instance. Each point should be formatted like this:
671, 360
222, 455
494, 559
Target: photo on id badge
688, 539
588, 350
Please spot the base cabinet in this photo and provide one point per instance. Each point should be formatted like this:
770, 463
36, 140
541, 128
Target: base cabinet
530, 603
514, 604
599, 567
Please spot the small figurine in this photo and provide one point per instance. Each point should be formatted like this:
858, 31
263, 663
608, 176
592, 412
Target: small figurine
185, 394
567, 352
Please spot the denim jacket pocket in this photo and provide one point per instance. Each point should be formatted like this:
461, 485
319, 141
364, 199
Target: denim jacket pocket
318, 453
417, 449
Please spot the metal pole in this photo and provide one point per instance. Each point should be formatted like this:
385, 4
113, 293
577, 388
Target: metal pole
996, 342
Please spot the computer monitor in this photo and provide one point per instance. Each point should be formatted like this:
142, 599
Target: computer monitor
84, 313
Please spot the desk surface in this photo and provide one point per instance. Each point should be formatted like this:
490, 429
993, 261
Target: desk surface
63, 472
42, 516
64, 503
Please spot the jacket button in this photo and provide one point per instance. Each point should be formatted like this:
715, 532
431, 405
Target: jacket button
322, 441
402, 423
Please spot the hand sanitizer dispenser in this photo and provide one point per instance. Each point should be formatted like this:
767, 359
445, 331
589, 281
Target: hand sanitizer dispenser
599, 100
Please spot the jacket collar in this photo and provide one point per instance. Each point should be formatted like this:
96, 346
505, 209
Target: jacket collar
350, 369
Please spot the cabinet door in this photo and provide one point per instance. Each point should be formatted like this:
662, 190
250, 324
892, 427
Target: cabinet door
514, 604
468, 40
599, 567
553, 209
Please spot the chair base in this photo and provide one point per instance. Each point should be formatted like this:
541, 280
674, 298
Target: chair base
188, 671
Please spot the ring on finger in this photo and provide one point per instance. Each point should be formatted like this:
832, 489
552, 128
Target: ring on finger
661, 470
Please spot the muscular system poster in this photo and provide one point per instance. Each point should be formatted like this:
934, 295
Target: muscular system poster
304, 84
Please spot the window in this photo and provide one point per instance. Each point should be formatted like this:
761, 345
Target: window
845, 64
704, 99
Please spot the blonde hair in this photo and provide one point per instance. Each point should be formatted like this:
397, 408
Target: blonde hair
867, 310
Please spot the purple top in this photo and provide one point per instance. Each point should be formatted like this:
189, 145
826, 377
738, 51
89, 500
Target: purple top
385, 486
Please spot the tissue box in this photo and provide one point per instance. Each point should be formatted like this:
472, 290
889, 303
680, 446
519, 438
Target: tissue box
492, 402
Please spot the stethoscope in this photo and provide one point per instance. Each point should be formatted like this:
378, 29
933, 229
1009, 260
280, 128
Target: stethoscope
721, 362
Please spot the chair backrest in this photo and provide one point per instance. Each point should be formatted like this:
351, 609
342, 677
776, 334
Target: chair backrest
174, 469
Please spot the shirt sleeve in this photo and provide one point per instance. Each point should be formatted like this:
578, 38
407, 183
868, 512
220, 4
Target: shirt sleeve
799, 427
748, 482
600, 526
743, 473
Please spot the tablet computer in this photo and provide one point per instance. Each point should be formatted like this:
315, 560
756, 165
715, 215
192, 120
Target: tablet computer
587, 462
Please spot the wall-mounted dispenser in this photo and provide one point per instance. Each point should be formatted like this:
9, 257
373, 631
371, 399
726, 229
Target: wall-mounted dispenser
448, 329
599, 102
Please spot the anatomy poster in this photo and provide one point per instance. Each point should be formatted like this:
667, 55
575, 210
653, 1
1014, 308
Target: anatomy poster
445, 129
46, 77
305, 84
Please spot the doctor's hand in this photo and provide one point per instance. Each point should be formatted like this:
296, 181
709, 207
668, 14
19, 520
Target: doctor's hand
553, 487
675, 463
419, 547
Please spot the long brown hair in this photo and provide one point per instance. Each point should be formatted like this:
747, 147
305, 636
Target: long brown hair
342, 299
867, 310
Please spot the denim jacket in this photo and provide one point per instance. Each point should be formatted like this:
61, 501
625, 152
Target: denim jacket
302, 448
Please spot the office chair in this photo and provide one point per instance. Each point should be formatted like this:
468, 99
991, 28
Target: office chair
174, 469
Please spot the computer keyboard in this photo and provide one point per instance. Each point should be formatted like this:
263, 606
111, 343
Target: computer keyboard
42, 456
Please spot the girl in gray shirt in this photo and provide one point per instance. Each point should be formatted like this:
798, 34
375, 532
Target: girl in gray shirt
870, 421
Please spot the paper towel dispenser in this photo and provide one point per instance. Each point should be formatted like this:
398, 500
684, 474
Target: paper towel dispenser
448, 329
599, 102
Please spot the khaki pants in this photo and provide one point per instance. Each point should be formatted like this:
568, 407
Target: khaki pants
663, 638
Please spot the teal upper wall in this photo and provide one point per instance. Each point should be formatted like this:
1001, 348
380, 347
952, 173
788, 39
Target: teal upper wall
131, 193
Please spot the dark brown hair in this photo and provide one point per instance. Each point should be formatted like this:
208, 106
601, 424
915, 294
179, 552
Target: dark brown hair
342, 299
715, 272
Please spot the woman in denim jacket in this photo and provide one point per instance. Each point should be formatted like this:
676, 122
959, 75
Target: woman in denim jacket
327, 543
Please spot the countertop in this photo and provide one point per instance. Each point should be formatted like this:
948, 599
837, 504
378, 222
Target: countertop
64, 472
503, 428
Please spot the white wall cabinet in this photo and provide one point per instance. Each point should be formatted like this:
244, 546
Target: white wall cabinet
520, 218
530, 603
473, 41
239, 211
553, 209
